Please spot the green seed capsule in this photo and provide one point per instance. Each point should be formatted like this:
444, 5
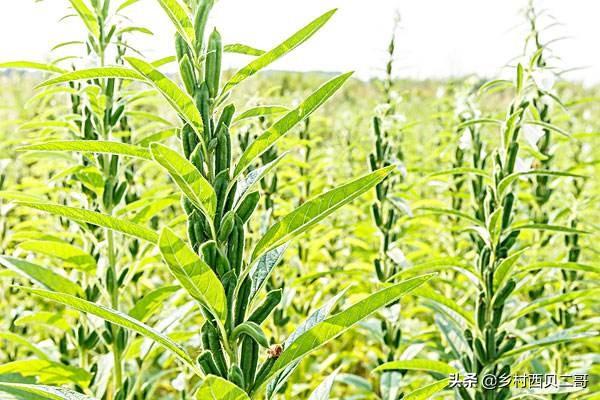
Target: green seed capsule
203, 104
263, 372
490, 342
242, 301
207, 363
226, 226
252, 330
249, 360
480, 351
507, 346
263, 311
197, 159
247, 206
186, 71
213, 63
503, 293
200, 19
513, 150
119, 192
214, 343
181, 47
236, 376
117, 114
506, 212
220, 185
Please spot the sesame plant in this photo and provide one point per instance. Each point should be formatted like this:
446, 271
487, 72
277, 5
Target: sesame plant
212, 265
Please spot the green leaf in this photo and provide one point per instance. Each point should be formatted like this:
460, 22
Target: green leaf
177, 98
91, 146
87, 16
426, 392
217, 388
242, 49
42, 276
504, 269
334, 326
178, 15
549, 127
315, 210
44, 318
48, 372
452, 212
288, 45
95, 218
313, 319
550, 300
32, 65
323, 391
418, 365
94, 73
196, 277
24, 391
507, 181
263, 267
24, 342
187, 177
571, 266
459, 171
561, 337
547, 227
151, 302
261, 111
73, 256
246, 183
479, 121
288, 121
430, 294
117, 318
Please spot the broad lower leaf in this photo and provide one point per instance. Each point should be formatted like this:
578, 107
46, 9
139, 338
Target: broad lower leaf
87, 16
73, 256
117, 318
288, 121
315, 210
191, 182
175, 96
282, 49
94, 73
505, 267
334, 326
95, 218
217, 388
42, 276
32, 65
92, 146
196, 277
417, 365
48, 372
23, 391
178, 14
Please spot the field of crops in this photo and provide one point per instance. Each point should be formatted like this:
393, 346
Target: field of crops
171, 229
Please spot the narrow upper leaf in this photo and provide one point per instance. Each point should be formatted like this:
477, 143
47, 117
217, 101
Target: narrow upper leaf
40, 392
418, 365
95, 218
118, 318
42, 276
32, 65
87, 16
91, 146
288, 121
178, 14
334, 326
288, 45
177, 98
196, 277
94, 73
313, 211
191, 182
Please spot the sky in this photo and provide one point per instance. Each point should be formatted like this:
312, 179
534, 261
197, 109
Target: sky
436, 39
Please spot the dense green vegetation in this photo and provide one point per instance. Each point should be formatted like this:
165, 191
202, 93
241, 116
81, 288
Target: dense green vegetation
244, 234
